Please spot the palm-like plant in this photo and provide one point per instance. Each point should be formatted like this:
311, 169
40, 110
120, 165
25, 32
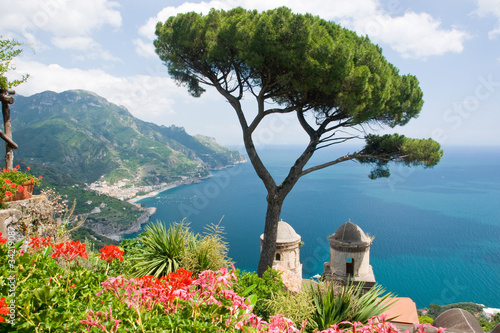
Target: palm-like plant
162, 249
348, 303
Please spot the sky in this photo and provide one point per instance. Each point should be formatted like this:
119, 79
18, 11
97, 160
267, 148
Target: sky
104, 46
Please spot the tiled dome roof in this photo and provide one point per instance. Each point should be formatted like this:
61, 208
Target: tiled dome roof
351, 233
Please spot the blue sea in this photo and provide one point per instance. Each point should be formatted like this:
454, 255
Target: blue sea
437, 230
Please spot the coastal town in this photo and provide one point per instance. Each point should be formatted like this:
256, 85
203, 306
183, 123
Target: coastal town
126, 190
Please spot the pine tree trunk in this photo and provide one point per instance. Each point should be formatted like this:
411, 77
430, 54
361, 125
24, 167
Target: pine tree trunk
270, 233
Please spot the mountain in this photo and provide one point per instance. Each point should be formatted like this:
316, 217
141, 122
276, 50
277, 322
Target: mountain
82, 135
78, 137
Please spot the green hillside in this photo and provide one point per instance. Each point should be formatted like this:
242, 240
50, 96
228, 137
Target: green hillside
83, 135
76, 137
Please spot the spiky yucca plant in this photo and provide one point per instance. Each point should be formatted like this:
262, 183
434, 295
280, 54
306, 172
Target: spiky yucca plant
334, 304
162, 249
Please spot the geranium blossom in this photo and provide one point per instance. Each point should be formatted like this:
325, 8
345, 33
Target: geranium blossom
40, 242
4, 310
2, 240
110, 253
70, 250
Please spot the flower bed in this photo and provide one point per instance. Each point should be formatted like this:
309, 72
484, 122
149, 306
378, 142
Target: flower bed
60, 287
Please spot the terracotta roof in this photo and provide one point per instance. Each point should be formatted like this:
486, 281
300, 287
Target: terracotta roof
403, 310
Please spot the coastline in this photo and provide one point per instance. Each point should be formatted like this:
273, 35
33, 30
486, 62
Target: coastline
175, 184
150, 211
165, 187
136, 226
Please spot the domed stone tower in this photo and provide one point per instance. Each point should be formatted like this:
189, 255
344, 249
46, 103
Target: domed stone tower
287, 248
350, 256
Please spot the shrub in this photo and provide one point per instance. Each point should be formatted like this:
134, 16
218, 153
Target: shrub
264, 287
162, 249
296, 306
425, 320
207, 252
335, 304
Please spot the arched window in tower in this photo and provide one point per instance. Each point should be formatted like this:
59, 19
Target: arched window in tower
278, 257
349, 266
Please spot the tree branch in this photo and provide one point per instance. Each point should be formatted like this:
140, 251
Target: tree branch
334, 141
344, 158
325, 165
305, 125
277, 110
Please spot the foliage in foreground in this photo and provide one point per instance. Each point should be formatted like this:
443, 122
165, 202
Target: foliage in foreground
264, 287
53, 284
334, 304
57, 290
60, 287
163, 250
296, 306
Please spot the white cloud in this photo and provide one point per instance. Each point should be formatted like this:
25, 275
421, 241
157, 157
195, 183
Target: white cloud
80, 43
69, 22
88, 47
149, 97
155, 97
143, 95
413, 35
144, 49
490, 8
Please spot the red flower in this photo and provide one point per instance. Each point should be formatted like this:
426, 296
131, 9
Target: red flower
13, 185
4, 310
70, 250
110, 253
2, 240
40, 242
7, 180
28, 168
20, 188
40, 177
8, 193
18, 167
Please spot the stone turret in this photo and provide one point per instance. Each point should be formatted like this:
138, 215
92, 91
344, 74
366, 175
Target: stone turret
287, 249
350, 256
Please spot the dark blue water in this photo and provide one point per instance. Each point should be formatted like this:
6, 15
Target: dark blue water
437, 231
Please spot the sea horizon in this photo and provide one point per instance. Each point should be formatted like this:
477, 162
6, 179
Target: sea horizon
437, 230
